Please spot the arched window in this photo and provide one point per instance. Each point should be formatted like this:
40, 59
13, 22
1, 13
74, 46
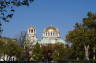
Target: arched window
46, 34
51, 33
31, 31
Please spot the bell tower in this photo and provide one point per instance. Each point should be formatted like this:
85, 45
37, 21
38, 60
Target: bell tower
31, 34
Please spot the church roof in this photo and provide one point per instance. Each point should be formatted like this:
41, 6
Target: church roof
51, 29
46, 41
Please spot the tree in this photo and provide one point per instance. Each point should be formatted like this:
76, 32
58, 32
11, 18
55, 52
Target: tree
48, 51
83, 36
37, 53
15, 49
58, 53
1, 47
7, 9
10, 47
90, 21
80, 39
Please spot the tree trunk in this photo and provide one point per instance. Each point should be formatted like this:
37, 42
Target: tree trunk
86, 52
94, 53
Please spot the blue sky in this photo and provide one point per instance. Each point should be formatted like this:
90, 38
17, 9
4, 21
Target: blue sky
62, 14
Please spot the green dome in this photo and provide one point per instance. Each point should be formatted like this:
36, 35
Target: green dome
62, 41
46, 41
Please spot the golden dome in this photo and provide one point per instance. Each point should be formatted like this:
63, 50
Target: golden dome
51, 29
31, 27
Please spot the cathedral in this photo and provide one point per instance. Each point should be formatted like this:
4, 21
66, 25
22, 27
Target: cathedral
50, 35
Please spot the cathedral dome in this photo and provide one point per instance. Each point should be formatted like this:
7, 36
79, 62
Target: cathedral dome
51, 29
31, 27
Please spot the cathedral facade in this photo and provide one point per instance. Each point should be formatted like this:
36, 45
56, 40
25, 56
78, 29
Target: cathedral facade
50, 35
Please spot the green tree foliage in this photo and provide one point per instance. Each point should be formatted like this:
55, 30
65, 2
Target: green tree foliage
57, 52
1, 47
60, 52
37, 53
90, 21
7, 9
10, 47
84, 34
